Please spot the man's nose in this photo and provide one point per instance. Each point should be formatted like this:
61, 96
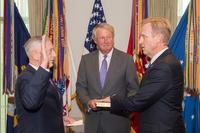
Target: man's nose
140, 42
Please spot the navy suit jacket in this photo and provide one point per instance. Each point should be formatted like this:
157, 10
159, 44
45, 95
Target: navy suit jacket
159, 98
38, 103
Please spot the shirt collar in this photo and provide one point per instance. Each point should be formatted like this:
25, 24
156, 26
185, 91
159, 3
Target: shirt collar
35, 67
108, 55
157, 55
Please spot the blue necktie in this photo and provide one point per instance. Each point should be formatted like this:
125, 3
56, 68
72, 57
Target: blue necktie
103, 71
150, 65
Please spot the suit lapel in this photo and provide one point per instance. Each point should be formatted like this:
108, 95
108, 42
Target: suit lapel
164, 54
95, 70
157, 61
30, 68
52, 85
112, 69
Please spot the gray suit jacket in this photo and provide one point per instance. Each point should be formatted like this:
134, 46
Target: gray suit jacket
121, 80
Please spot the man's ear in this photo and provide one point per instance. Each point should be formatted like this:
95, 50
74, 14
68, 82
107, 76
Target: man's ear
30, 54
94, 41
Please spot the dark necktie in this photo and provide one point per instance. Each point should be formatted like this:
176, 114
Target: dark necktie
149, 66
103, 71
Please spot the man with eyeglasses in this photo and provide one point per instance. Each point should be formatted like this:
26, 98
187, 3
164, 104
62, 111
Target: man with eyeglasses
106, 71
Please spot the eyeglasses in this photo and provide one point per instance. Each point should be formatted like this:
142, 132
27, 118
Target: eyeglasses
105, 38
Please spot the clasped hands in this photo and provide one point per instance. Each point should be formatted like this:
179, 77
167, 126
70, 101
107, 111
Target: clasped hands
93, 102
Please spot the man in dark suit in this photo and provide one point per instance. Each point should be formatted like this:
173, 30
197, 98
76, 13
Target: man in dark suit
160, 95
97, 80
38, 102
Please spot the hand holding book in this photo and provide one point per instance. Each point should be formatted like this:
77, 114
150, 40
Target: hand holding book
105, 102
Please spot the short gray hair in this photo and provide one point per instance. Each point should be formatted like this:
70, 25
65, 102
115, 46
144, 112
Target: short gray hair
32, 43
104, 26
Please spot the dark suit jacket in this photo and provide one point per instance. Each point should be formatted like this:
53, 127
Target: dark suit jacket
159, 98
38, 103
121, 79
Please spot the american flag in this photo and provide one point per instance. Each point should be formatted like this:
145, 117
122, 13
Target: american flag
96, 18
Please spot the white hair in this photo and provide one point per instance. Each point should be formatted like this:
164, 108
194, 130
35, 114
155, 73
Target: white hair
32, 43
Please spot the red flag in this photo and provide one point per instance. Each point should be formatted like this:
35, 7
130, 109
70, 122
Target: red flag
139, 8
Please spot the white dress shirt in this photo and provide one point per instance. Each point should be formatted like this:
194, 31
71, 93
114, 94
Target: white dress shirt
157, 55
36, 68
108, 58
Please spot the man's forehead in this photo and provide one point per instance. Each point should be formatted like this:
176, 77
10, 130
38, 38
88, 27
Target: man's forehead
145, 33
146, 29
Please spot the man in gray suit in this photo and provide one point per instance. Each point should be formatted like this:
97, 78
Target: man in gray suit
104, 72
